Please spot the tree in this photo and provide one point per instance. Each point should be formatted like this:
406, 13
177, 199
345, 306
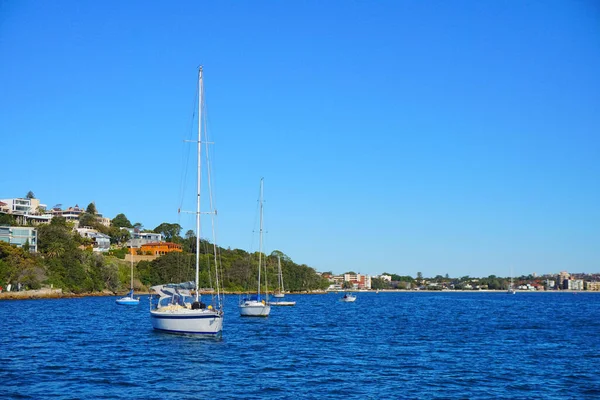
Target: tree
419, 277
30, 195
138, 226
118, 235
91, 209
87, 219
7, 219
121, 221
169, 231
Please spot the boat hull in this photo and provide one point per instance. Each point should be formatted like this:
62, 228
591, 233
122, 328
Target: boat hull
348, 299
279, 295
254, 309
186, 321
128, 301
284, 303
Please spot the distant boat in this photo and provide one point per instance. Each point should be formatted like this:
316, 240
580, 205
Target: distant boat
280, 292
176, 310
283, 303
348, 298
511, 289
255, 306
129, 300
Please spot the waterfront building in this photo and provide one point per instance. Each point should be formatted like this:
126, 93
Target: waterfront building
574, 284
593, 286
19, 236
359, 281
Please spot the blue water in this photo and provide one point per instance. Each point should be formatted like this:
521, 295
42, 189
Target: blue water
387, 345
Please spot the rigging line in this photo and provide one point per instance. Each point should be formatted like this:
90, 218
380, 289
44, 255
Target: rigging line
209, 172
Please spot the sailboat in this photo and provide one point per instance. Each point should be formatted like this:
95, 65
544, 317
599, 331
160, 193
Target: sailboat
281, 291
174, 308
255, 306
511, 288
129, 300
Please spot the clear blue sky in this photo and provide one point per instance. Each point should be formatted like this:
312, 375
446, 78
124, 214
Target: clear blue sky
458, 137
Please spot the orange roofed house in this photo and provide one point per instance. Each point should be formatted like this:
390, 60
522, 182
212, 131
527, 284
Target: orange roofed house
158, 248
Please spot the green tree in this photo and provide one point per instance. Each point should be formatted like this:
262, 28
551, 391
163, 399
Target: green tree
91, 209
121, 221
138, 226
169, 231
87, 219
7, 219
30, 195
118, 235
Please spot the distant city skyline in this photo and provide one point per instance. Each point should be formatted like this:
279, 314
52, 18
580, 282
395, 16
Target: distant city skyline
444, 138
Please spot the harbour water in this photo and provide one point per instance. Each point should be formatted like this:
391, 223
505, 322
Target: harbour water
386, 345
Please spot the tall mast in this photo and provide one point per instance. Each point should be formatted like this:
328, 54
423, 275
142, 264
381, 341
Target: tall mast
200, 100
261, 234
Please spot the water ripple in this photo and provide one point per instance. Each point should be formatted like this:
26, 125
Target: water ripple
388, 345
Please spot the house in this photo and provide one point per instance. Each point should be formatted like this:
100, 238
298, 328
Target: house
140, 238
25, 210
19, 236
158, 249
100, 241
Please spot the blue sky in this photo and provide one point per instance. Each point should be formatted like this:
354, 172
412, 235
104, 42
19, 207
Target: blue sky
438, 137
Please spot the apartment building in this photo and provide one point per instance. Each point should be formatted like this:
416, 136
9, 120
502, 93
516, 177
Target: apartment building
19, 236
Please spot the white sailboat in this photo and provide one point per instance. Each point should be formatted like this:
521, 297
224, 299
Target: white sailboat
281, 290
255, 306
511, 288
177, 309
129, 300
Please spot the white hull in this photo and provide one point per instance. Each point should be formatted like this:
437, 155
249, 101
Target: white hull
186, 321
128, 301
279, 295
284, 303
254, 309
348, 299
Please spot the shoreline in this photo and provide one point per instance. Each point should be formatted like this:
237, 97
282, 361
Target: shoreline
59, 294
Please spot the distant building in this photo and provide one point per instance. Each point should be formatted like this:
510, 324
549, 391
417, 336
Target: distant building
71, 214
100, 241
387, 278
25, 211
562, 279
138, 239
358, 281
574, 284
159, 249
19, 236
593, 286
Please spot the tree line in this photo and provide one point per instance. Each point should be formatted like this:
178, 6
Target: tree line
66, 260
